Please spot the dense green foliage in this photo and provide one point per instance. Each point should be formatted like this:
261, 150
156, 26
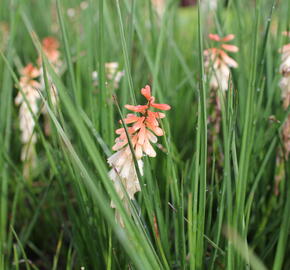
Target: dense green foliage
204, 204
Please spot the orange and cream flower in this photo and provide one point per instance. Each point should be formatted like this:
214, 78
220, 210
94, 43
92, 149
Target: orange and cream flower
27, 99
50, 47
143, 132
144, 128
218, 62
28, 75
29, 86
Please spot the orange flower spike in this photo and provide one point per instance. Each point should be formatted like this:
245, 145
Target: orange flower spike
142, 133
163, 107
218, 62
143, 126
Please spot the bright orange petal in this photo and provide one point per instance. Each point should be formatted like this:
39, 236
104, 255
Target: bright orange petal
152, 119
138, 108
228, 38
122, 130
164, 107
230, 48
214, 37
131, 118
146, 92
156, 114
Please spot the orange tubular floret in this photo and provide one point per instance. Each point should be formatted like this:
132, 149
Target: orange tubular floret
138, 108
230, 48
146, 92
163, 107
214, 37
228, 38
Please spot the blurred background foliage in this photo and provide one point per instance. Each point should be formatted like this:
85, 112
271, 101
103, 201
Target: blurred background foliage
60, 218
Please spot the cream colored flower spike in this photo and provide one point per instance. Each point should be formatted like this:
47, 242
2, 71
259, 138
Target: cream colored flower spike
143, 132
218, 63
25, 99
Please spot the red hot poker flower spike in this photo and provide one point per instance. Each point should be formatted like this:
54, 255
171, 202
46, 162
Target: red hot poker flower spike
218, 62
144, 127
143, 132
